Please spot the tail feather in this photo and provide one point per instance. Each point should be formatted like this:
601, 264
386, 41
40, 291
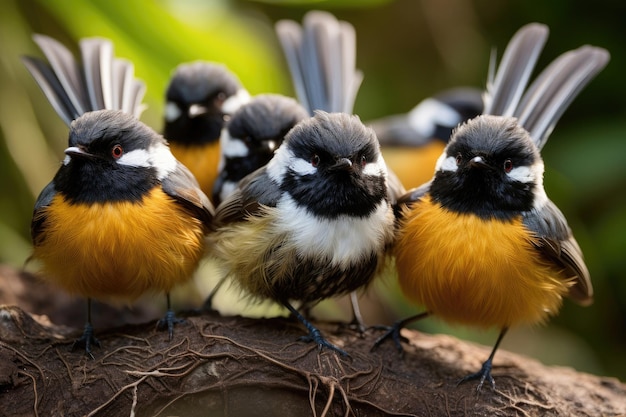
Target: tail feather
52, 89
505, 88
556, 87
97, 59
99, 81
321, 56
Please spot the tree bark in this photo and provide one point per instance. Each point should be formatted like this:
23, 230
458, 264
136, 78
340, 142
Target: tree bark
236, 366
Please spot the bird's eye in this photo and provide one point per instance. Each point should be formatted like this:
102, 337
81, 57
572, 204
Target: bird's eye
508, 166
221, 96
315, 160
363, 160
459, 158
117, 151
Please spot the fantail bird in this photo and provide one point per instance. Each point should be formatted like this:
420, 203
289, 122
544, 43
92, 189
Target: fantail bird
412, 142
314, 222
122, 216
481, 244
253, 133
321, 57
251, 136
200, 96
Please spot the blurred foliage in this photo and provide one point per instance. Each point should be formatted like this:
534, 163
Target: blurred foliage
408, 50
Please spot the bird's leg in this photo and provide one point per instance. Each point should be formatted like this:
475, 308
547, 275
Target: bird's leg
393, 331
208, 303
485, 371
169, 320
357, 321
314, 334
87, 340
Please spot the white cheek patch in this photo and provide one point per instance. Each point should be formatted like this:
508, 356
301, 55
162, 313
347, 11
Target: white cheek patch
162, 159
446, 163
234, 148
172, 112
232, 103
425, 116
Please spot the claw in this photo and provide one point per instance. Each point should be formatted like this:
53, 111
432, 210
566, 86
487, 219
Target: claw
168, 322
393, 331
483, 375
87, 340
314, 333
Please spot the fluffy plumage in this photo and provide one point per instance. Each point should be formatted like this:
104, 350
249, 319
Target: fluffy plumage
481, 243
312, 224
122, 216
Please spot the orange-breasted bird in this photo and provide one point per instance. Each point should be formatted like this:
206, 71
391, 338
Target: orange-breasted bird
199, 98
121, 217
481, 244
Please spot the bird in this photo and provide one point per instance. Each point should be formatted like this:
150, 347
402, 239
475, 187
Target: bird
200, 96
313, 223
481, 243
319, 86
321, 57
122, 216
412, 142
251, 136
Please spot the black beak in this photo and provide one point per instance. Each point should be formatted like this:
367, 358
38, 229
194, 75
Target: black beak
344, 164
76, 151
478, 162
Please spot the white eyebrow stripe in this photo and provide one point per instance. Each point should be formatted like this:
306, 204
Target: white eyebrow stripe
158, 156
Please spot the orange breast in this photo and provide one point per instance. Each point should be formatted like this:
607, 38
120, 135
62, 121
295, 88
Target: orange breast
201, 160
120, 250
468, 270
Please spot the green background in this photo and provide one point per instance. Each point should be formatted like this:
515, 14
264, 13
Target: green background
408, 50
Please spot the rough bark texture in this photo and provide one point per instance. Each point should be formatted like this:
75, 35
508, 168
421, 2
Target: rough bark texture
234, 366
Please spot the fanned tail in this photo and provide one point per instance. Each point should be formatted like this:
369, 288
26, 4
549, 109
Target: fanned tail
556, 87
99, 81
539, 107
506, 86
321, 56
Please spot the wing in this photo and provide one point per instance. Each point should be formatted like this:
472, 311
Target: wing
556, 242
39, 212
395, 189
99, 81
253, 192
409, 198
321, 56
182, 186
